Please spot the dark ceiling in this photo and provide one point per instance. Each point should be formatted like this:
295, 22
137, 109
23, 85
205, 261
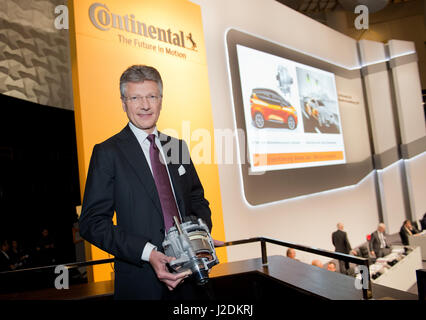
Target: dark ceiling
315, 6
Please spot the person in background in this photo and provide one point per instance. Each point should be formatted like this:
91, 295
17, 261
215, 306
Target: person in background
378, 245
45, 248
423, 222
407, 230
317, 263
340, 241
291, 253
6, 263
331, 266
17, 255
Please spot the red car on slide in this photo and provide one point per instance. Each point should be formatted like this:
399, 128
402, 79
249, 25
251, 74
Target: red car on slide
268, 105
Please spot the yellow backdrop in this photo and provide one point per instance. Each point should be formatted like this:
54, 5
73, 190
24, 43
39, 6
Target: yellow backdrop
108, 37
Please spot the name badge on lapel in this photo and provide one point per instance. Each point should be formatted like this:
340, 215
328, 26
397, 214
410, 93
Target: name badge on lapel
181, 170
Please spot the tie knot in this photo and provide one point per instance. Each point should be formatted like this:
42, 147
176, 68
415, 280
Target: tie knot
151, 138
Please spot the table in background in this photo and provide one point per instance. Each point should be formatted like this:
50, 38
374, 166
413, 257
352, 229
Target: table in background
402, 275
419, 240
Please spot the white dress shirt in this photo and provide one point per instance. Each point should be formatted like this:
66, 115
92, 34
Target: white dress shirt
382, 240
142, 138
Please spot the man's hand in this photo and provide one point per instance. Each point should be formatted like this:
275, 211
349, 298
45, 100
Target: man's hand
159, 262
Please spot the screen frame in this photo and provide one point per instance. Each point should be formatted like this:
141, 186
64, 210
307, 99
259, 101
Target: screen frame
279, 185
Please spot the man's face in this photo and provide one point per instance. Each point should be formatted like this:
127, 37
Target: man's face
142, 111
5, 246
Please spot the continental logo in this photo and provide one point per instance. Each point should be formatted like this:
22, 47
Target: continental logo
103, 19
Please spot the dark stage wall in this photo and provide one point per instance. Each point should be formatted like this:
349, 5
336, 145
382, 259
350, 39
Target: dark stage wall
39, 184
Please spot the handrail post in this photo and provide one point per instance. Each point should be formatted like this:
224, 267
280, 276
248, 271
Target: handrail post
367, 292
264, 254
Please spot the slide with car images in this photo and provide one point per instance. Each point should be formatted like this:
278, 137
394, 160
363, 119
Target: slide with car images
291, 113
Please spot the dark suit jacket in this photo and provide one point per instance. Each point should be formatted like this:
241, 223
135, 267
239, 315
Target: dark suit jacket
375, 245
423, 222
5, 262
341, 242
120, 180
403, 233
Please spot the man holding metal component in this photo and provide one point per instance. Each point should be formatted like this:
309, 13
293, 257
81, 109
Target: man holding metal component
149, 180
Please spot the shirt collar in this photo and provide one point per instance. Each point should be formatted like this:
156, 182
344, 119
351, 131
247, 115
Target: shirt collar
140, 134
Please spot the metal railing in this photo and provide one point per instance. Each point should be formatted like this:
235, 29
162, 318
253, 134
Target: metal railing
66, 265
366, 290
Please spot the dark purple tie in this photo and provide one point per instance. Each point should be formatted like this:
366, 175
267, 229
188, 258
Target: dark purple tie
162, 181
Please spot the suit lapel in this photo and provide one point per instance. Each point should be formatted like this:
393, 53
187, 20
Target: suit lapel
135, 156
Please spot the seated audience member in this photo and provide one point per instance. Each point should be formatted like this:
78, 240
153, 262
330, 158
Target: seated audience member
416, 227
17, 255
331, 266
291, 253
423, 222
407, 230
317, 263
363, 252
6, 263
378, 244
45, 249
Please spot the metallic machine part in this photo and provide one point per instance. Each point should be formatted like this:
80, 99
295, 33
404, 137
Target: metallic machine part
192, 246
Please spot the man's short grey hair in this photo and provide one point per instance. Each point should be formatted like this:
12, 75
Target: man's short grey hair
140, 73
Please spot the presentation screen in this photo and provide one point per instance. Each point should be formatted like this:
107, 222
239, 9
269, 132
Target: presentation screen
291, 113
301, 120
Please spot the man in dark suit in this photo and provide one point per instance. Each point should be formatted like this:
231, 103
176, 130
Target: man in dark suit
423, 222
342, 245
123, 177
6, 263
378, 244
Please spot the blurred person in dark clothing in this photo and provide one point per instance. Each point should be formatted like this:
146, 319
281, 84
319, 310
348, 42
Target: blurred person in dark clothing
45, 248
407, 230
6, 263
342, 245
17, 255
423, 222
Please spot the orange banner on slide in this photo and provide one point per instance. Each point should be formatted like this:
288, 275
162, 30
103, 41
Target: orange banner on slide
273, 159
